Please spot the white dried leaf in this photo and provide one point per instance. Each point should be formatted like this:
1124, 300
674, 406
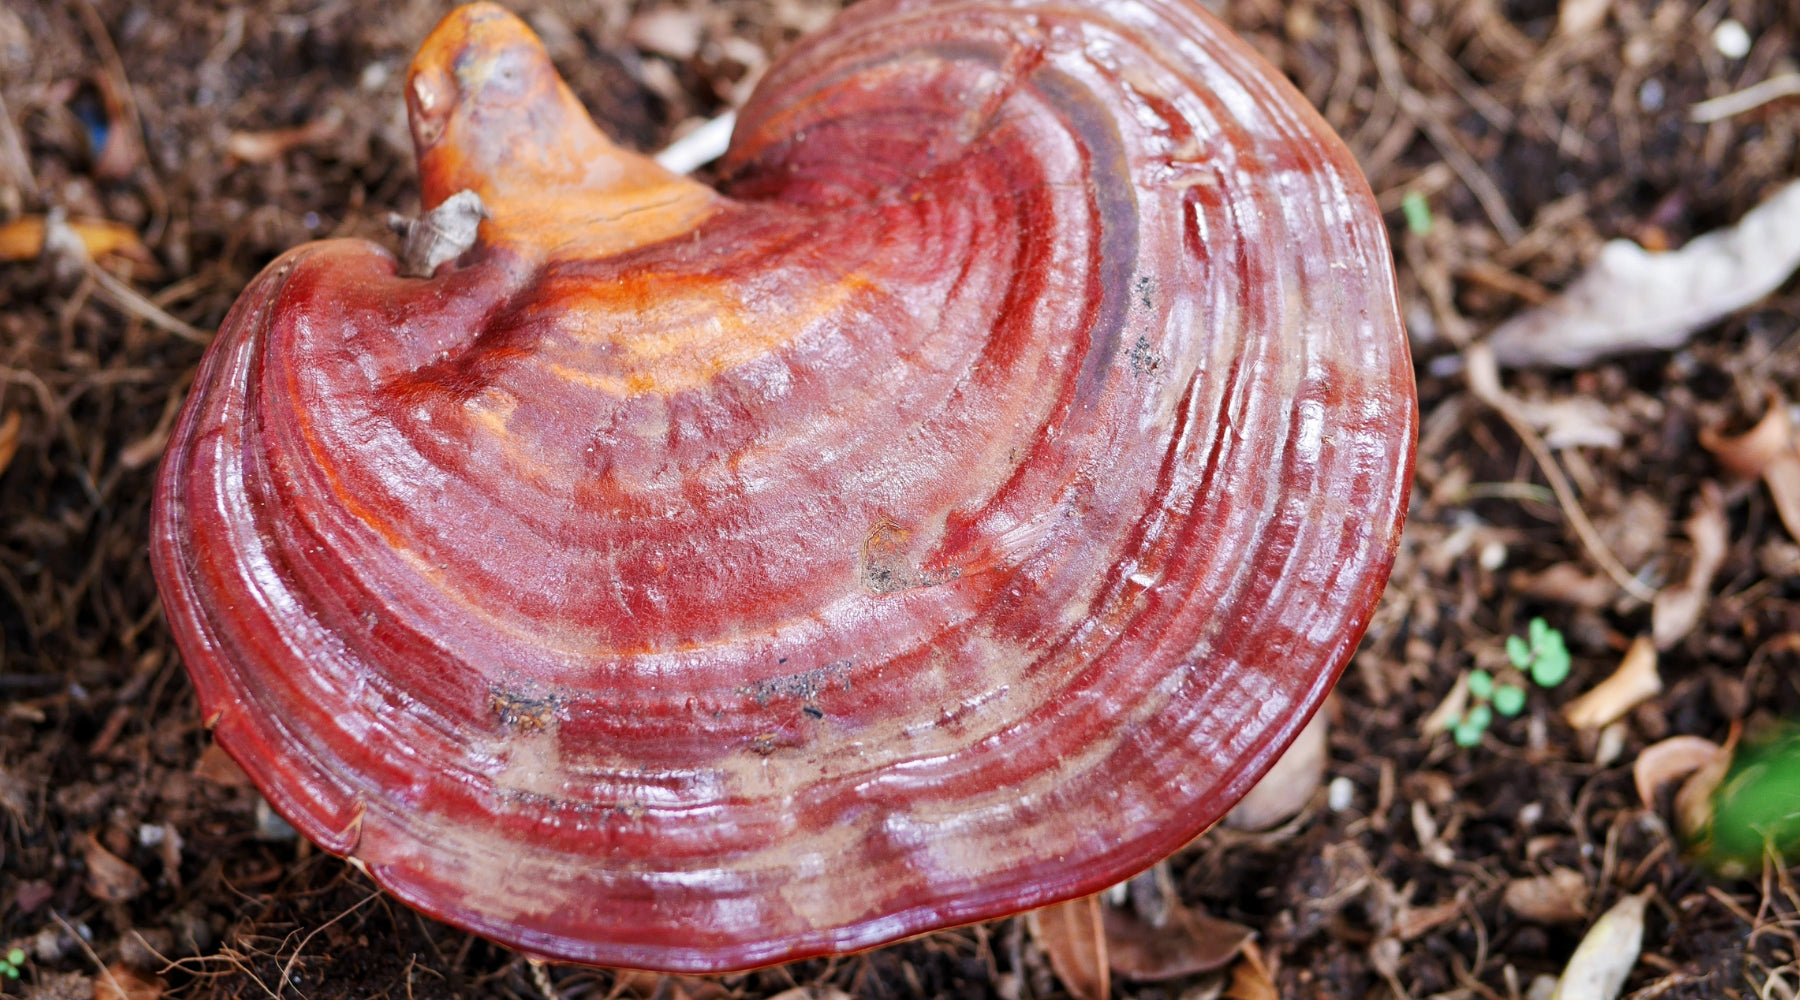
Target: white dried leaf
700, 146
1671, 760
670, 32
1578, 422
444, 234
1611, 744
1677, 608
1635, 300
1607, 954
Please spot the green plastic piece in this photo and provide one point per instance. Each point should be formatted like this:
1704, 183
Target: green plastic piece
1757, 806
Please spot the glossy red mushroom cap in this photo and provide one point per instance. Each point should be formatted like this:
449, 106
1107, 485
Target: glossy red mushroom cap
955, 515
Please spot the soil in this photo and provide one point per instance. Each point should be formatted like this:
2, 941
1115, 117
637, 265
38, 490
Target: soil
135, 861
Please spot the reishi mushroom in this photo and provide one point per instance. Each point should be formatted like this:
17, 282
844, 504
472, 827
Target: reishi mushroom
953, 515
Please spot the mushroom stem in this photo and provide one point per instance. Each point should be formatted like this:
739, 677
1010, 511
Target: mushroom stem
490, 114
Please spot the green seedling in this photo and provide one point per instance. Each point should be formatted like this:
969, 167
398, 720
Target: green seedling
13, 964
1418, 213
1540, 654
1544, 656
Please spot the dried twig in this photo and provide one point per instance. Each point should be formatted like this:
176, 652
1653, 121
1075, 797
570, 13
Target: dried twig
60, 241
112, 980
1484, 382
12, 153
1415, 106
287, 969
1748, 99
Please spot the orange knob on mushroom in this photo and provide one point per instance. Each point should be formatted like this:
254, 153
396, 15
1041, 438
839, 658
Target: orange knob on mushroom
953, 515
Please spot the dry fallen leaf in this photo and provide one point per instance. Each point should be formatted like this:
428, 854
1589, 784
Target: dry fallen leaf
23, 239
819, 992
1782, 477
9, 439
123, 150
122, 982
674, 987
1766, 450
1188, 942
1635, 300
266, 147
1671, 760
1416, 921
1677, 608
1289, 785
1635, 681
1746, 455
1567, 583
1559, 897
1694, 800
1072, 936
1606, 954
1611, 744
1251, 978
668, 32
1575, 422
216, 766
109, 877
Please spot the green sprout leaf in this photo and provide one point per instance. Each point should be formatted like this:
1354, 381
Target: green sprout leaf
1479, 716
1481, 683
1519, 652
15, 957
1551, 667
1545, 656
1418, 213
1509, 699
1466, 735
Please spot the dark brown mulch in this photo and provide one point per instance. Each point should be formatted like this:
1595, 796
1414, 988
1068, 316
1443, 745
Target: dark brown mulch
124, 843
